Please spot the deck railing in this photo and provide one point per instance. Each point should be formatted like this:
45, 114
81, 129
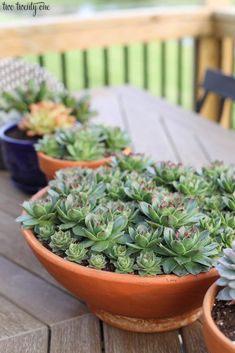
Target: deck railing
166, 51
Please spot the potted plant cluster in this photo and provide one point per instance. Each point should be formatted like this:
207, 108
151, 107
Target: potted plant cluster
84, 146
137, 241
40, 111
219, 307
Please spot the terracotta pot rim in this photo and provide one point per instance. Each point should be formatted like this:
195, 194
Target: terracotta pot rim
105, 275
42, 155
207, 306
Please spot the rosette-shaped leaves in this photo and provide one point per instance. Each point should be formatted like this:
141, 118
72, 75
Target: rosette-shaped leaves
230, 202
167, 172
186, 251
214, 170
100, 232
97, 261
60, 241
140, 190
134, 162
81, 108
73, 209
226, 269
192, 185
45, 117
226, 182
116, 251
116, 140
84, 143
76, 253
124, 264
38, 213
174, 213
45, 231
144, 237
148, 264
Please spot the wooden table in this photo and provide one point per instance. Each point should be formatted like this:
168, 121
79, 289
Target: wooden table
36, 314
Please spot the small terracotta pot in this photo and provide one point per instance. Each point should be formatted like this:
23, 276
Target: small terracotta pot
134, 303
216, 341
49, 165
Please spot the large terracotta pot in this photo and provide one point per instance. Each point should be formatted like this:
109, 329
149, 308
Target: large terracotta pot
216, 341
130, 302
49, 165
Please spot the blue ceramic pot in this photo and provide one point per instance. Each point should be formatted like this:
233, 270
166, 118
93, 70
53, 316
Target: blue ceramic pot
21, 160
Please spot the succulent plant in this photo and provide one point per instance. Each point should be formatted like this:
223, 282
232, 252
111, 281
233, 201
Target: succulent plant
144, 237
101, 233
148, 264
116, 140
80, 108
187, 251
38, 213
124, 264
85, 143
45, 231
173, 213
230, 202
192, 185
116, 251
134, 162
45, 117
167, 172
60, 241
226, 269
97, 261
76, 253
98, 217
20, 100
226, 182
73, 209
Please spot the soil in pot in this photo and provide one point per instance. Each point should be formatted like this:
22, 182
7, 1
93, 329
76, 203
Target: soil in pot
223, 314
18, 134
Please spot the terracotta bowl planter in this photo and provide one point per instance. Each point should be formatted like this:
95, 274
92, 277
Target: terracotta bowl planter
49, 165
216, 341
130, 302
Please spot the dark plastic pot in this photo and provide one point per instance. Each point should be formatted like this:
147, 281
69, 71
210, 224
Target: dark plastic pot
20, 159
2, 165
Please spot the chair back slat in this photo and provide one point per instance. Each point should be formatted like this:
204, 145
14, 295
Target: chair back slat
220, 84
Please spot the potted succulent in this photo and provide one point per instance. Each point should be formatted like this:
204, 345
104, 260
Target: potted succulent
6, 118
136, 241
219, 307
40, 111
84, 146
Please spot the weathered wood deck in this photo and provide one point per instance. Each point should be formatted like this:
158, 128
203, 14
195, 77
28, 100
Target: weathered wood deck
36, 314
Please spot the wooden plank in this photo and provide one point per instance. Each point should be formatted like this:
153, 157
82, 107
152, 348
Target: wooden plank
208, 56
218, 150
164, 109
20, 332
66, 317
223, 22
193, 338
102, 30
145, 127
106, 103
227, 67
186, 144
118, 341
19, 253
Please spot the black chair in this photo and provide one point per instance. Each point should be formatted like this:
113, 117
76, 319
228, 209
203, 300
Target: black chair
221, 85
